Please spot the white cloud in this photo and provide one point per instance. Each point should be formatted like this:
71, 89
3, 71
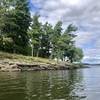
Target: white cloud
83, 38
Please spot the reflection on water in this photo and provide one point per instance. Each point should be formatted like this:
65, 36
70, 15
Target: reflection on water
80, 84
45, 85
59, 85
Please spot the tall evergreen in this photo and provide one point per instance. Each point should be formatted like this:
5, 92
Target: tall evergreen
16, 20
22, 16
6, 25
55, 38
46, 40
36, 35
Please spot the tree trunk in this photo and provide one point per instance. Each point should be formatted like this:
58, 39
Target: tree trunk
71, 60
37, 55
32, 50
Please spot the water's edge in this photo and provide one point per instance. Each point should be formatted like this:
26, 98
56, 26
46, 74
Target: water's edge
17, 66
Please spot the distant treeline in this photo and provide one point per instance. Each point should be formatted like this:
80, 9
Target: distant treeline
23, 34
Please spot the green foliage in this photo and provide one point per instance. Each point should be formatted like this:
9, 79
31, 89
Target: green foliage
15, 20
19, 33
52, 42
78, 54
46, 40
23, 19
35, 34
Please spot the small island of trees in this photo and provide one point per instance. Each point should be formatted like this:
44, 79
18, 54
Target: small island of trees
22, 34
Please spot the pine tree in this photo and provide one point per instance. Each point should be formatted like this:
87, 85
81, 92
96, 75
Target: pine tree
36, 35
55, 38
22, 16
15, 22
46, 40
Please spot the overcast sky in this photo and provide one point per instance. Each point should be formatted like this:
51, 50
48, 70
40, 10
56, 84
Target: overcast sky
85, 14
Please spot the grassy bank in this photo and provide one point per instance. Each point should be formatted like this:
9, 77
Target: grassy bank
22, 58
15, 62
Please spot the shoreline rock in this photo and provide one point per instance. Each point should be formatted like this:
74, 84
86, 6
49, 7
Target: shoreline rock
7, 66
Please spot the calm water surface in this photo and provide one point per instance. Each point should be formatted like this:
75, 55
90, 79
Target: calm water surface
81, 84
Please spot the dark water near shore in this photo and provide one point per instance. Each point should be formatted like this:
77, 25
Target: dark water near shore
81, 84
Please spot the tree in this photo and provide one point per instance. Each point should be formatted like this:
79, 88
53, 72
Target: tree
64, 42
78, 54
16, 20
68, 38
46, 40
55, 37
36, 35
74, 54
22, 16
5, 23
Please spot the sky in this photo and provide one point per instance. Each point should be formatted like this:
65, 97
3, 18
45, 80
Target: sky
85, 14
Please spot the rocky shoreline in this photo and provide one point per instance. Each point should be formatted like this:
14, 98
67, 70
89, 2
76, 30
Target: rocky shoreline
14, 62
35, 66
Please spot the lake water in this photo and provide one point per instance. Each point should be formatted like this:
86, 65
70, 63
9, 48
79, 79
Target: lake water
81, 84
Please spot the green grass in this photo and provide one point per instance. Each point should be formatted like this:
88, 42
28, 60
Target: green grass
13, 58
22, 58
